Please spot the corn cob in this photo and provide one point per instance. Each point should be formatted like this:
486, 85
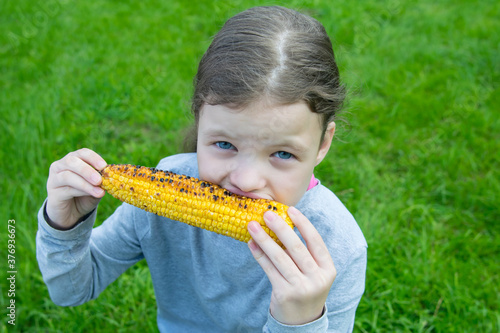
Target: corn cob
189, 200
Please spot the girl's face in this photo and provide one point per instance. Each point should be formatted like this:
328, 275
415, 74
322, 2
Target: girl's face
263, 150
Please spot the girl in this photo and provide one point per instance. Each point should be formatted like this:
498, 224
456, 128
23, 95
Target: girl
266, 94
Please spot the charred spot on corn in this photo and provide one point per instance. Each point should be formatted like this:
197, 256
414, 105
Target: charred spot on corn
189, 200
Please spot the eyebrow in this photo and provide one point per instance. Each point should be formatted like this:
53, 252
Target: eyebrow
294, 145
217, 132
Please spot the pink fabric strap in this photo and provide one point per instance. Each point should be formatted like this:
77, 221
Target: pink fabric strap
312, 183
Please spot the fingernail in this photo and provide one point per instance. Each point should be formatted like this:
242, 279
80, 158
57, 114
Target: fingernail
269, 216
252, 245
98, 190
102, 165
293, 211
96, 178
253, 226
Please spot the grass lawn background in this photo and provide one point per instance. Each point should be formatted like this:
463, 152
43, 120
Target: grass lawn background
417, 167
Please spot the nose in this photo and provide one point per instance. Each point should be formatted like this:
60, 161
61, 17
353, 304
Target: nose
247, 176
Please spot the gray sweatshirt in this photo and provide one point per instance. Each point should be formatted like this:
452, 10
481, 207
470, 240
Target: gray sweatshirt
203, 282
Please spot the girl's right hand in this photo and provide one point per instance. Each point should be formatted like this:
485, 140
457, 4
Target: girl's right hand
73, 187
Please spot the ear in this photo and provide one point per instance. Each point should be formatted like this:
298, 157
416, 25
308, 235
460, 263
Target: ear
327, 142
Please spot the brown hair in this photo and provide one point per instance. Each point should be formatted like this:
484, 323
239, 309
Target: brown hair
272, 52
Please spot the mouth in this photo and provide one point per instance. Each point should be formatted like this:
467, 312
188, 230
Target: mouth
245, 194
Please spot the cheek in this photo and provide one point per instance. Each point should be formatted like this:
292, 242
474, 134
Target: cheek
209, 168
290, 188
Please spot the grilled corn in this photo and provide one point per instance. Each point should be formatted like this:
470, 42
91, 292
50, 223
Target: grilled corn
189, 200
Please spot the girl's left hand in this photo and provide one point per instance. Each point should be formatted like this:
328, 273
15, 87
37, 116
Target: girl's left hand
301, 276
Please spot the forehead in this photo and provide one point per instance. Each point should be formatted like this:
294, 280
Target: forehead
262, 116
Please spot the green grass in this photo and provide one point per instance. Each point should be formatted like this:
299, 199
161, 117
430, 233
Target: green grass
418, 167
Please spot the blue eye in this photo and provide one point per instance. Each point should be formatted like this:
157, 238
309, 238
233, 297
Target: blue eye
224, 145
283, 155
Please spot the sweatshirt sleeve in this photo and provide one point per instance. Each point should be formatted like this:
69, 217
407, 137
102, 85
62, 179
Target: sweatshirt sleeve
346, 292
274, 326
78, 264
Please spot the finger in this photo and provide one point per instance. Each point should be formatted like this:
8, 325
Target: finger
75, 163
296, 249
315, 244
263, 260
67, 184
277, 256
276, 276
92, 158
63, 194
